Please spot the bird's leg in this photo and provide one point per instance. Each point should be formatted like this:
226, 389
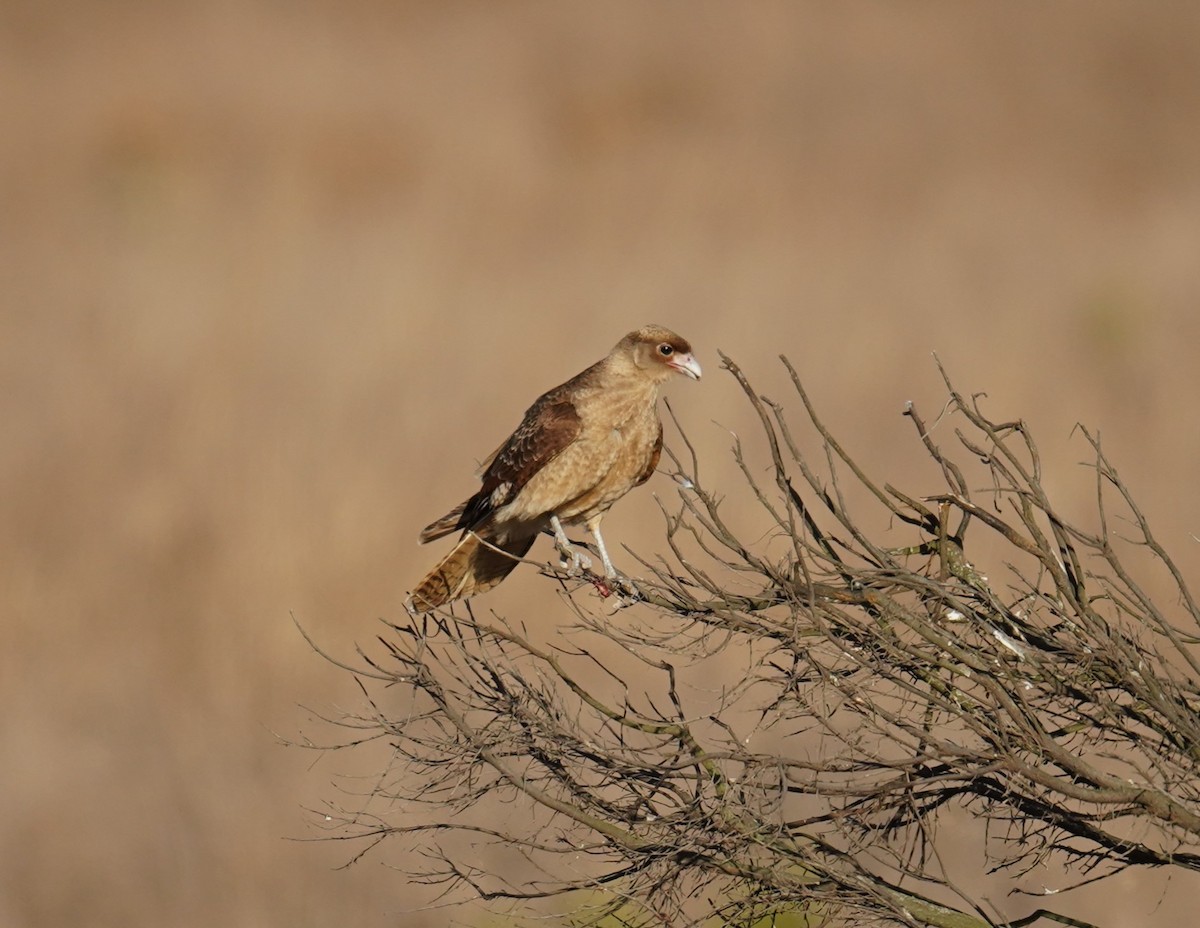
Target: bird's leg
593, 526
614, 579
574, 560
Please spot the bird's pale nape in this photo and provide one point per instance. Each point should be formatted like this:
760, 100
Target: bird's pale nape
580, 448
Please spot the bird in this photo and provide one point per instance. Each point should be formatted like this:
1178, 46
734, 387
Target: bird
579, 448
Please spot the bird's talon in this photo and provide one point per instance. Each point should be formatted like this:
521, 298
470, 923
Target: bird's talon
627, 587
573, 561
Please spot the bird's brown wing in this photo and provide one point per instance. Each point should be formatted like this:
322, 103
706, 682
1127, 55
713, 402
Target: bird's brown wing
549, 427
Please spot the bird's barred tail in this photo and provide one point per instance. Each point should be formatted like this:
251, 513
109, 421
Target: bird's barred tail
472, 567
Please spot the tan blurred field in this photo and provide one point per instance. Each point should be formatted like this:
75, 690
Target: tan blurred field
275, 276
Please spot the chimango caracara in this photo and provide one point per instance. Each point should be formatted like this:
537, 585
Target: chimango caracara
580, 448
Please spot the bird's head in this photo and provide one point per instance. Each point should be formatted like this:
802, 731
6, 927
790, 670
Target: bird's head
659, 353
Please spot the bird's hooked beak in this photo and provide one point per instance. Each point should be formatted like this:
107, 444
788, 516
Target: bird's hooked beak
685, 364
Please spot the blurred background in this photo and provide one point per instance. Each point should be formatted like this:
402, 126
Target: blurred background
275, 277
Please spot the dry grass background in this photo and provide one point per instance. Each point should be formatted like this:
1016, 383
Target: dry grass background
275, 275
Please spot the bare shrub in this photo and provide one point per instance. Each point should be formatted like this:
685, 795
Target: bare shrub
780, 726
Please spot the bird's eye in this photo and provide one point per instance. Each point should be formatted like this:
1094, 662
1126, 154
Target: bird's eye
665, 350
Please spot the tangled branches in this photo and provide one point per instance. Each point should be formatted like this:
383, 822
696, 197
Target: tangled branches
780, 727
